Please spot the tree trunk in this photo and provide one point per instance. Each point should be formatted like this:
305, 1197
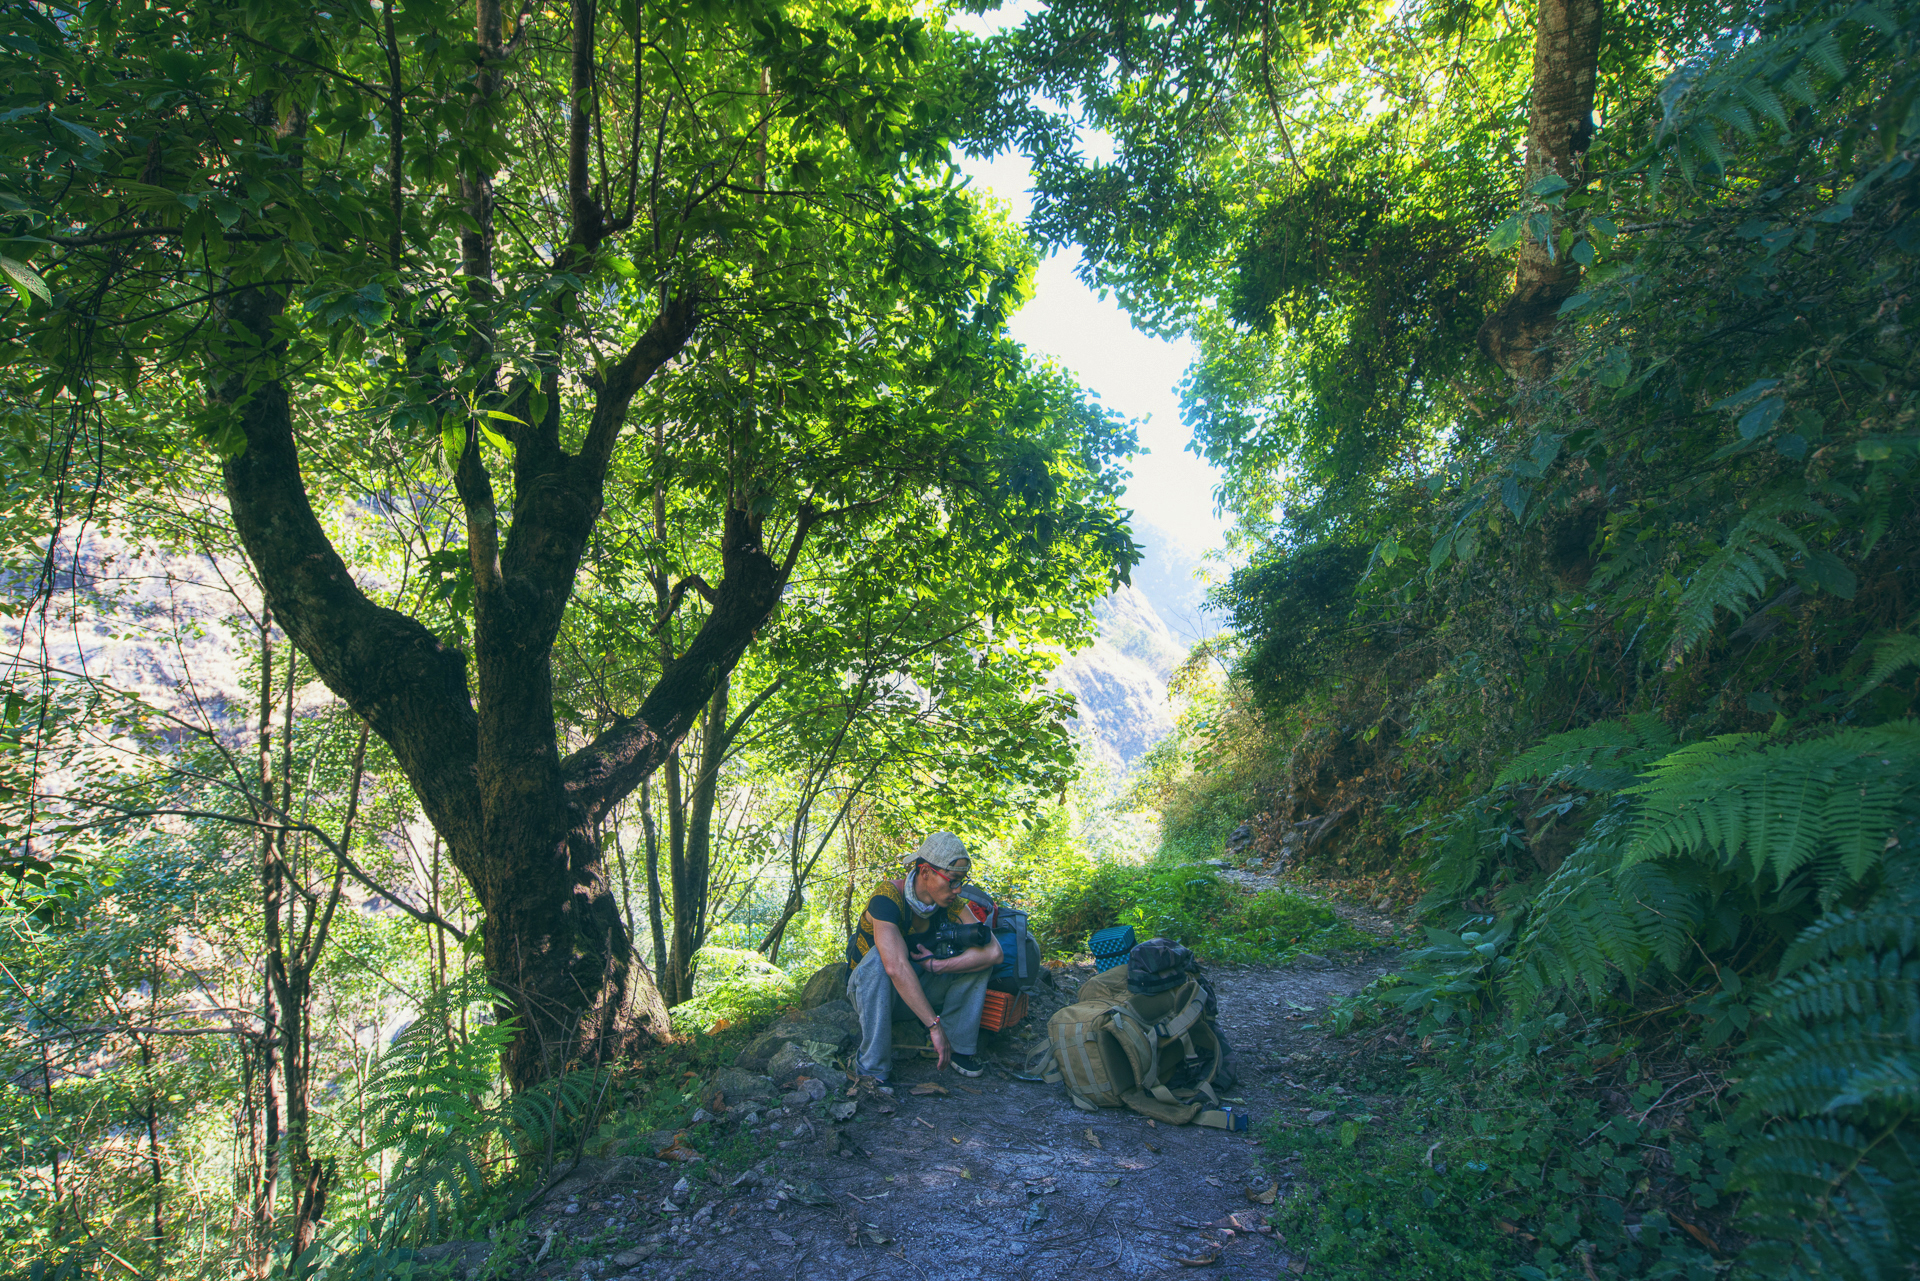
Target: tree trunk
676, 860
519, 821
652, 834
1566, 61
267, 1185
692, 862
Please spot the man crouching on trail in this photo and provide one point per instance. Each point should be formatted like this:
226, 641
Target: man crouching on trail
896, 971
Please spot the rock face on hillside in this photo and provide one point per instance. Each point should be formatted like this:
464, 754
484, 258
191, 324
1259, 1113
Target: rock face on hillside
1167, 576
1121, 680
1130, 623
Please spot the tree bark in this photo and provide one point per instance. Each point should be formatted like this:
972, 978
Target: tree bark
1566, 62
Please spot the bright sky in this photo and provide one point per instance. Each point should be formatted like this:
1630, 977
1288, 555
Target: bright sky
1130, 371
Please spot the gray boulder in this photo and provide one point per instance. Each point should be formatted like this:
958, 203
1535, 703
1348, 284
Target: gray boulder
829, 983
738, 1087
834, 1025
841, 1014
800, 1058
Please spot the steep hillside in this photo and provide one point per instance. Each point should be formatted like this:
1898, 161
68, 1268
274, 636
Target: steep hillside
1121, 680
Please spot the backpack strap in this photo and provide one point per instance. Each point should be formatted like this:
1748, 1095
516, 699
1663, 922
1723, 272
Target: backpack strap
1181, 1024
1146, 1039
989, 910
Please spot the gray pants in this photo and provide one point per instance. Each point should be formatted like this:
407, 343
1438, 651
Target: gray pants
958, 998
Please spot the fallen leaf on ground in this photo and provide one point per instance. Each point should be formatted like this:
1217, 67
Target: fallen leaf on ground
966, 1173
969, 1089
1260, 1197
1113, 1183
1092, 1137
1197, 1261
878, 1238
780, 1237
1152, 1124
928, 1087
1131, 1165
1216, 1183
1151, 1147
953, 1138
678, 1150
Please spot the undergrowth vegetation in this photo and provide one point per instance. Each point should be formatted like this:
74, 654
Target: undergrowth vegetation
1193, 904
1071, 889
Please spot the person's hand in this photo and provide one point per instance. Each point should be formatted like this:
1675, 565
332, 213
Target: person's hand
941, 1046
933, 963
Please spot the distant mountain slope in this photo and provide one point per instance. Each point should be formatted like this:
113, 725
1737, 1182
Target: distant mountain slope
1120, 680
1130, 623
1166, 577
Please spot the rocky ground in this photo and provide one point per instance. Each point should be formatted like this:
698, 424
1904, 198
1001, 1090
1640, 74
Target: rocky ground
996, 1177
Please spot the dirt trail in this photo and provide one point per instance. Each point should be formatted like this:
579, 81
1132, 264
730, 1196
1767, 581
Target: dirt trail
997, 1178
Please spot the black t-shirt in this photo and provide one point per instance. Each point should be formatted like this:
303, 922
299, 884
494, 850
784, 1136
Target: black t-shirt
888, 904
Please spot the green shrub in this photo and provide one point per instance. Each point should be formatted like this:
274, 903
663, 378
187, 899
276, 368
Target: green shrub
733, 987
1195, 906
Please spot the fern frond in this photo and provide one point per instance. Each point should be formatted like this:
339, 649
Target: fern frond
1672, 906
1827, 1199
1834, 1186
1836, 1065
1891, 654
1831, 802
1595, 925
1764, 101
1798, 87
1738, 572
1893, 925
1598, 757
1825, 53
1734, 114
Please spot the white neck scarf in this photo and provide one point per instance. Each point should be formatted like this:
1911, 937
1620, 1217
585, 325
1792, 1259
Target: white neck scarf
906, 890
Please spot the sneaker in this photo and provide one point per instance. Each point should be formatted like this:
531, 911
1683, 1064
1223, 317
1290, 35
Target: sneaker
967, 1064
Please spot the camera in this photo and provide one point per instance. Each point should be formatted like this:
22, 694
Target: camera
949, 940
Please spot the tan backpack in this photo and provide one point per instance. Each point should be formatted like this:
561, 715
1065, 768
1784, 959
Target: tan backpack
1114, 1049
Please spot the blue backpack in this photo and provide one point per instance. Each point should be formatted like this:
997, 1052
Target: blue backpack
1019, 966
